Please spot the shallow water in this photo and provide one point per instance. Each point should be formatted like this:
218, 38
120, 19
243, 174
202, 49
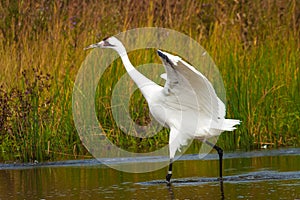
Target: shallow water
265, 174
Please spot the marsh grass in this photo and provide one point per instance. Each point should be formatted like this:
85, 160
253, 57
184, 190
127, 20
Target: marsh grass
255, 45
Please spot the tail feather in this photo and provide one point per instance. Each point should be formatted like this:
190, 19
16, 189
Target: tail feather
229, 124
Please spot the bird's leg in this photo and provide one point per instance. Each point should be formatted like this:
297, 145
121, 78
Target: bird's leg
220, 152
169, 175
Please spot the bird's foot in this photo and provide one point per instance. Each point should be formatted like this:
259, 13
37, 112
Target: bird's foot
168, 178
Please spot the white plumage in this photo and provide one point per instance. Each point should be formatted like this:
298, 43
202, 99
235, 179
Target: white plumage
187, 104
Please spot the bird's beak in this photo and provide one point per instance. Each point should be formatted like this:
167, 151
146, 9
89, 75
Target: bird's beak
100, 44
90, 47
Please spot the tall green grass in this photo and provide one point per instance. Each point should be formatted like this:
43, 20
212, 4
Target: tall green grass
255, 45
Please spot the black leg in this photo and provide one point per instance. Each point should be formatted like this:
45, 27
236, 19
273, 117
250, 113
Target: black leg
220, 152
169, 175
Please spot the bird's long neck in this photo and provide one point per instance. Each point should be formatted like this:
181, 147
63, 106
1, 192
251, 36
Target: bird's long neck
141, 81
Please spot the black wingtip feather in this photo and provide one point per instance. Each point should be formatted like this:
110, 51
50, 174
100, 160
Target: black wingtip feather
163, 56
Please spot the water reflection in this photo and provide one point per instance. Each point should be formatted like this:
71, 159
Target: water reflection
222, 190
172, 195
170, 189
275, 177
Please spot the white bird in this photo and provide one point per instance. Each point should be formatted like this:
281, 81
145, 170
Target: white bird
187, 104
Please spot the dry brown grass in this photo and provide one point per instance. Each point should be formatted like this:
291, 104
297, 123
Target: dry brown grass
255, 44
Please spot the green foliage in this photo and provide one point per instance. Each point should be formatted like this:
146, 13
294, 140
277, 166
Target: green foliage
255, 45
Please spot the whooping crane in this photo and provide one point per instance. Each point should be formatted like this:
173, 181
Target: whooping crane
187, 104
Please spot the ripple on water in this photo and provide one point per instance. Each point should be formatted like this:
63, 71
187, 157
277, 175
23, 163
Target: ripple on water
248, 177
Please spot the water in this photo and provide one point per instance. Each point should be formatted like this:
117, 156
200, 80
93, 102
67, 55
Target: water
265, 174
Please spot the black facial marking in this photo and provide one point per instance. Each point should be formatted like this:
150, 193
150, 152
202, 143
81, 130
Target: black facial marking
106, 43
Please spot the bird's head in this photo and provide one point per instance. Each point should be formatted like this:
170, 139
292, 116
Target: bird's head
108, 42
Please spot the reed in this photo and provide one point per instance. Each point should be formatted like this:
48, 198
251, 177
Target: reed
255, 45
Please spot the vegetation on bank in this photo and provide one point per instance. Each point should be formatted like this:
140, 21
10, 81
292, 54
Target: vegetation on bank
255, 45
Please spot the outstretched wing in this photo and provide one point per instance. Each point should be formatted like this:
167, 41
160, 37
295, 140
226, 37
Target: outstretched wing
191, 88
